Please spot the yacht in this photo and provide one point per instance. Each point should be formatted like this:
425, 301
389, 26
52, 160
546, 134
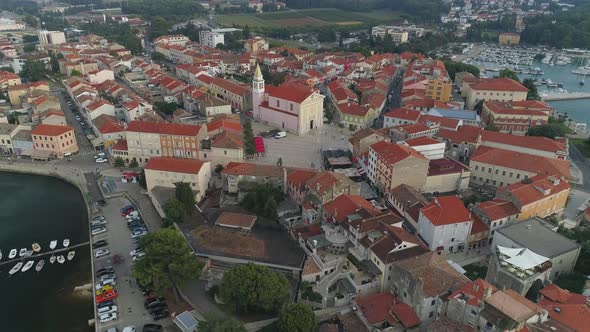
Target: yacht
15, 268
71, 255
40, 265
36, 247
52, 259
22, 252
27, 266
12, 254
61, 259
66, 243
53, 244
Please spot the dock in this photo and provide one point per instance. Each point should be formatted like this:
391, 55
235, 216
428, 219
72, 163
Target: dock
42, 254
565, 96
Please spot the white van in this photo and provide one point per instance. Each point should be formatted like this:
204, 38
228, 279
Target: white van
281, 134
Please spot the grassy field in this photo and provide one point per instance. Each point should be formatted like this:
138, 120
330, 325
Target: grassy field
308, 17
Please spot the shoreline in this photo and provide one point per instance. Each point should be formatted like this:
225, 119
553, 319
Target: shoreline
77, 180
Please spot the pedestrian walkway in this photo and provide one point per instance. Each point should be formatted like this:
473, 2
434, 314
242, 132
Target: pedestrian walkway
468, 257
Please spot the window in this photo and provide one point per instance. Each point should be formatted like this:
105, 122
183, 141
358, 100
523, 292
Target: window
497, 171
490, 170
511, 174
503, 173
518, 175
431, 314
278, 103
290, 107
433, 302
225, 152
476, 167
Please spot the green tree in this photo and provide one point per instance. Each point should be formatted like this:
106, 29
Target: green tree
218, 168
29, 48
142, 182
74, 72
263, 200
492, 127
174, 211
133, 163
253, 288
157, 56
166, 108
159, 27
28, 39
34, 71
218, 324
533, 92
184, 194
297, 317
248, 136
509, 73
119, 162
550, 130
168, 262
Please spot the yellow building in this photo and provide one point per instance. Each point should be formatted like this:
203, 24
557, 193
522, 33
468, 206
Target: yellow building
509, 38
439, 89
16, 92
8, 79
539, 196
255, 45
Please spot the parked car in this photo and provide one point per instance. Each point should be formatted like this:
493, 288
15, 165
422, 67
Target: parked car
127, 207
96, 218
160, 315
126, 212
138, 234
96, 226
106, 276
107, 317
152, 328
105, 270
101, 160
281, 134
135, 251
105, 282
106, 296
138, 256
107, 309
151, 301
99, 230
129, 329
98, 223
133, 218
103, 304
101, 252
132, 215
158, 307
269, 133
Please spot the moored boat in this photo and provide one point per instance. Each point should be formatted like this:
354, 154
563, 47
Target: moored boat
12, 254
22, 252
29, 253
52, 259
66, 243
36, 247
39, 265
61, 259
16, 268
27, 266
71, 255
0, 254
53, 244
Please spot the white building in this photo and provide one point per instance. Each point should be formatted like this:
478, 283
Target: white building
7, 24
211, 38
293, 108
445, 224
398, 34
427, 146
19, 62
166, 171
51, 37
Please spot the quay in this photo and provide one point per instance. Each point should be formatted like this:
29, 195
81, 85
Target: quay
41, 254
565, 96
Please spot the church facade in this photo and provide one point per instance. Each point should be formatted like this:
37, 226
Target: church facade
293, 108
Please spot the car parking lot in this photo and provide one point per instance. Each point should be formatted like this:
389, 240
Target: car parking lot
114, 262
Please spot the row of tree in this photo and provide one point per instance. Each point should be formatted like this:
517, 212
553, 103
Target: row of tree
150, 8
120, 33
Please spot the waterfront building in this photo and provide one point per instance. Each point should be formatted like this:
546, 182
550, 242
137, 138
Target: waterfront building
56, 139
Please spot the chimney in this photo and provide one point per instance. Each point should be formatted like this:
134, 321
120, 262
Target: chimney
487, 292
476, 287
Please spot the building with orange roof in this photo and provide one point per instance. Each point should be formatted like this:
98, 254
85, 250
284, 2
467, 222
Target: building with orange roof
466, 303
16, 92
340, 208
515, 117
8, 79
537, 196
498, 167
496, 214
109, 129
392, 164
296, 181
98, 108
570, 309
461, 143
509, 311
428, 75
400, 116
166, 171
54, 117
355, 116
222, 148
56, 139
534, 145
435, 218
326, 185
292, 108
240, 176
413, 130
492, 89
360, 141
384, 310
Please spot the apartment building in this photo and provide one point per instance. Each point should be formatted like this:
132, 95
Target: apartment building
166, 171
56, 139
211, 38
492, 89
515, 117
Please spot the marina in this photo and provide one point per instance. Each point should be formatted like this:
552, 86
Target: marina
52, 252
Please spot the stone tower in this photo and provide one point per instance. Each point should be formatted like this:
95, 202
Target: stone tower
257, 91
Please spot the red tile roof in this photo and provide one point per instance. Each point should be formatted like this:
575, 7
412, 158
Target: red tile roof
445, 166
521, 161
473, 293
51, 130
344, 205
535, 188
325, 180
393, 153
478, 226
555, 294
299, 177
404, 114
235, 168
468, 134
224, 123
531, 142
121, 145
97, 104
423, 140
573, 310
291, 93
353, 109
498, 84
446, 210
413, 128
405, 314
54, 112
497, 209
163, 128
175, 165
227, 140
376, 307
448, 123
229, 86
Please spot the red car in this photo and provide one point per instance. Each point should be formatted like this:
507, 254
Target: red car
127, 211
106, 296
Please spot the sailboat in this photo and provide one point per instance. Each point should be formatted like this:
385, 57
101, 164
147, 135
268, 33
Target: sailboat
52, 259
16, 268
36, 247
12, 254
53, 244
40, 265
22, 252
61, 259
66, 243
27, 266
71, 255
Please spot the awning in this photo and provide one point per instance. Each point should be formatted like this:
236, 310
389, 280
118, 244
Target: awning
259, 144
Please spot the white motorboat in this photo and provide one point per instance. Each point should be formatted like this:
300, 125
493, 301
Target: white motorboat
66, 243
36, 247
22, 252
29, 253
12, 254
52, 244
52, 259
0, 254
27, 266
61, 259
71, 255
16, 268
39, 265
